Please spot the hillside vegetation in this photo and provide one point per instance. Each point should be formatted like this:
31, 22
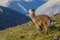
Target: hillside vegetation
28, 31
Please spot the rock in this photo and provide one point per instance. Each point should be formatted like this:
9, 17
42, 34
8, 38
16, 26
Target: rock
56, 37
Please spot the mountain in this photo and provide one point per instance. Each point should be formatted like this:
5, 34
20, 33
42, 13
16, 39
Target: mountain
22, 6
49, 8
10, 18
57, 15
4, 2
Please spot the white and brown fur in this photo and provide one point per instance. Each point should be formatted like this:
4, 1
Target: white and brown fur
40, 21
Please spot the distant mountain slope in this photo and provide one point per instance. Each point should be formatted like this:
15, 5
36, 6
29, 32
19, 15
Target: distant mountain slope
49, 8
57, 15
10, 18
22, 6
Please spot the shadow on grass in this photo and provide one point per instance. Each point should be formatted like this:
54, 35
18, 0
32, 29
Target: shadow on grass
58, 28
55, 28
11, 18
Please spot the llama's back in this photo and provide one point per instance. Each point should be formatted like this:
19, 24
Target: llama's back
44, 19
43, 16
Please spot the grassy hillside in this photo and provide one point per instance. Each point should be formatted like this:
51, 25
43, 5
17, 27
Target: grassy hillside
28, 31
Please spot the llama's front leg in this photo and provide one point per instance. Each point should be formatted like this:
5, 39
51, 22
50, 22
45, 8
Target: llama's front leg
39, 28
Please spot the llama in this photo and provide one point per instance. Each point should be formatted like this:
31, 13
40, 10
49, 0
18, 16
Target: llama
40, 21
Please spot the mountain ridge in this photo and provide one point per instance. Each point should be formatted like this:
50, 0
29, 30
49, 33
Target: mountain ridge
49, 8
10, 18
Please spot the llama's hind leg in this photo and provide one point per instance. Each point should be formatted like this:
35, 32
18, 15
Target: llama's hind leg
46, 29
46, 25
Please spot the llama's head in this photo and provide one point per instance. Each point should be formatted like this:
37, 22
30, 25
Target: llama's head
31, 12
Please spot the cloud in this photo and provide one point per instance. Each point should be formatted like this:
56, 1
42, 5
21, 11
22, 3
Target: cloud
27, 0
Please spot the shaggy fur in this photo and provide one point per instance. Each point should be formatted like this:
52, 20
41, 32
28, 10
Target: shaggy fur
40, 21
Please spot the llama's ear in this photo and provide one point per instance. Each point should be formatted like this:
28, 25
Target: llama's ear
29, 11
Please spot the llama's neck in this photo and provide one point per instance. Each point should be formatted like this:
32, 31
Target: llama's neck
32, 16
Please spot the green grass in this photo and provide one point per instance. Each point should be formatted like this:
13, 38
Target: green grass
28, 32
